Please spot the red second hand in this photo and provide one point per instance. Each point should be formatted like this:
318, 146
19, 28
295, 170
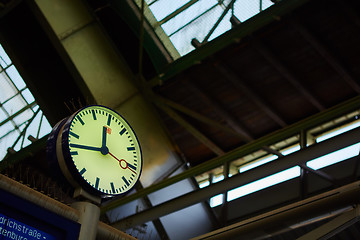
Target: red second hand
120, 163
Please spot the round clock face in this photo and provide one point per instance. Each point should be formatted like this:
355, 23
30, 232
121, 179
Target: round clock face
103, 152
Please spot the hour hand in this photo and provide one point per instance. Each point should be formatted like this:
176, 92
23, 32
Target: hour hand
85, 147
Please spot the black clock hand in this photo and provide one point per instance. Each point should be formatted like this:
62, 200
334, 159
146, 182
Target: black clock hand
104, 149
104, 137
85, 147
124, 163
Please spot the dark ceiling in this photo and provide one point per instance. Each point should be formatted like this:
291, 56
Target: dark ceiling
301, 64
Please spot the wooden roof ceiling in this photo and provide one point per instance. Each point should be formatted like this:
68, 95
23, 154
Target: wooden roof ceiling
299, 65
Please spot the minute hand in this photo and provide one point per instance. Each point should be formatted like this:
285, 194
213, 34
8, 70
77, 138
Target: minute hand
103, 143
85, 147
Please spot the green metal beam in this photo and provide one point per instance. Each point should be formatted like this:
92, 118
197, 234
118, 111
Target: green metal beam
158, 54
193, 131
242, 30
177, 12
317, 119
159, 101
10, 118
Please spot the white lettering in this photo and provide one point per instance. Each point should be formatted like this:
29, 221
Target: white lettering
2, 220
13, 235
12, 229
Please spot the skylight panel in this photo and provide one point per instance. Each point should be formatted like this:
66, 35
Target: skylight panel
20, 116
163, 8
258, 163
334, 157
188, 16
290, 150
15, 77
264, 183
4, 58
244, 10
326, 160
194, 22
338, 132
7, 88
185, 20
216, 200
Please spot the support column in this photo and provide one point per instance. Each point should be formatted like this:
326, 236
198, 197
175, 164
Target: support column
79, 36
108, 77
89, 219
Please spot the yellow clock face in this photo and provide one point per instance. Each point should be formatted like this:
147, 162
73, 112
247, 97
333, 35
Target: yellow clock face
104, 150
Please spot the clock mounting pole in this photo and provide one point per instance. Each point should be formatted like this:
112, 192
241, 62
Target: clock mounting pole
81, 194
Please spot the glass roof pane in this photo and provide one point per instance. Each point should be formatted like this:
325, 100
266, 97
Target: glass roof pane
187, 16
177, 40
246, 9
15, 77
35, 108
23, 117
198, 28
7, 88
33, 128
334, 157
18, 146
195, 22
28, 96
3, 116
264, 183
4, 58
162, 8
45, 127
15, 104
266, 4
15, 111
5, 128
223, 27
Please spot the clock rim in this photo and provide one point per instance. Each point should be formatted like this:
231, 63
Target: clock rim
71, 166
51, 151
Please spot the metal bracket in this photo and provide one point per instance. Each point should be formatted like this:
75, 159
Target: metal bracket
81, 193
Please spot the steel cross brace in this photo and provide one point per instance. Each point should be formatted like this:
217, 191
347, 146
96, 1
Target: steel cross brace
335, 226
